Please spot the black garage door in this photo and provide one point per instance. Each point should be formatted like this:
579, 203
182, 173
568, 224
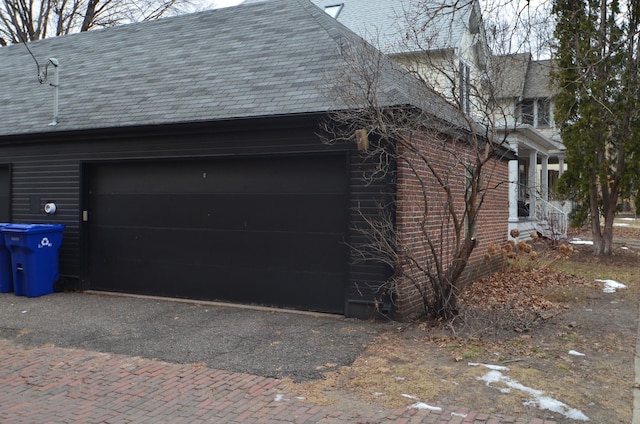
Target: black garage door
252, 230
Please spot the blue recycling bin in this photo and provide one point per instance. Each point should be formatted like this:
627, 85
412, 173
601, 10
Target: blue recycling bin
6, 276
34, 256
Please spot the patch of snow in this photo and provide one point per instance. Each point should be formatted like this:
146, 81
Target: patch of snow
553, 405
494, 377
576, 353
542, 402
580, 241
610, 286
621, 224
626, 219
409, 396
422, 405
378, 393
279, 398
624, 248
300, 397
491, 367
458, 414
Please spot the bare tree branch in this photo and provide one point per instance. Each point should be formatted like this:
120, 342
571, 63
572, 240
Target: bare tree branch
23, 21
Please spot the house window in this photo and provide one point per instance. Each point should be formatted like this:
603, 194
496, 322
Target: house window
544, 113
334, 10
536, 112
464, 87
526, 111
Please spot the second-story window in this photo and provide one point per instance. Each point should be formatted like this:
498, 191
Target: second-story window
543, 119
527, 111
465, 87
536, 112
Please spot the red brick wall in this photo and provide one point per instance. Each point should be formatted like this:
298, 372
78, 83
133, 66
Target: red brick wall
415, 213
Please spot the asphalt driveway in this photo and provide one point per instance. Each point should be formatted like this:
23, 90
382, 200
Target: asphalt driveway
267, 343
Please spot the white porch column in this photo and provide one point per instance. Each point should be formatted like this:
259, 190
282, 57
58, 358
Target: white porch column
513, 196
513, 190
560, 166
544, 178
533, 182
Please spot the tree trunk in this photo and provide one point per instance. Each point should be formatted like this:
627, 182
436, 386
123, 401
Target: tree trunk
89, 16
598, 243
603, 235
607, 238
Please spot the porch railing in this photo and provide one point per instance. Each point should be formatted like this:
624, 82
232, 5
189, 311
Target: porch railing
551, 221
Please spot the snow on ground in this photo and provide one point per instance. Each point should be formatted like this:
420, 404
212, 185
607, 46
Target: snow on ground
494, 376
491, 367
580, 241
458, 414
422, 405
610, 286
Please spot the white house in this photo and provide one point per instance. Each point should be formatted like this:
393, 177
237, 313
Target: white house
526, 99
442, 41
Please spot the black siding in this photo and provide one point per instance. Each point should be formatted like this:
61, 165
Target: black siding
5, 193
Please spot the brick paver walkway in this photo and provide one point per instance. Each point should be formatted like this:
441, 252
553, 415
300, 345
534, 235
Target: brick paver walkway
54, 385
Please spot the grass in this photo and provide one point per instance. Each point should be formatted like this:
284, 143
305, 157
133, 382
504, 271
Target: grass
431, 361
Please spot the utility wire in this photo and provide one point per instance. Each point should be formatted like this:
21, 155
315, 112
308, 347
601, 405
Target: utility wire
42, 75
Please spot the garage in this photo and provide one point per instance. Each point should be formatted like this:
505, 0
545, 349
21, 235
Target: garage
205, 177
261, 230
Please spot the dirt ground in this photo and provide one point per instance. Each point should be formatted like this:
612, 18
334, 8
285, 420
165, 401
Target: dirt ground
567, 346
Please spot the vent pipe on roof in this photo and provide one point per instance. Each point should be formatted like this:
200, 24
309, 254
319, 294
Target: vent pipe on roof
55, 85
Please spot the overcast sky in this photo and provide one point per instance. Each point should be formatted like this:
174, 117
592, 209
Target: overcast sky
226, 3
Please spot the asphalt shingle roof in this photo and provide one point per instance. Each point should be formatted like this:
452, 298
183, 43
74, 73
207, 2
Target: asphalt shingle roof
510, 72
520, 77
538, 79
253, 60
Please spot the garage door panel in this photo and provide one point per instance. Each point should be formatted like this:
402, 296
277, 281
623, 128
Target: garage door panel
298, 289
245, 175
264, 231
269, 250
255, 212
239, 276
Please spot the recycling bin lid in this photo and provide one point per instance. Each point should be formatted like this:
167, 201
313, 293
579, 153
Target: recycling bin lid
31, 228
